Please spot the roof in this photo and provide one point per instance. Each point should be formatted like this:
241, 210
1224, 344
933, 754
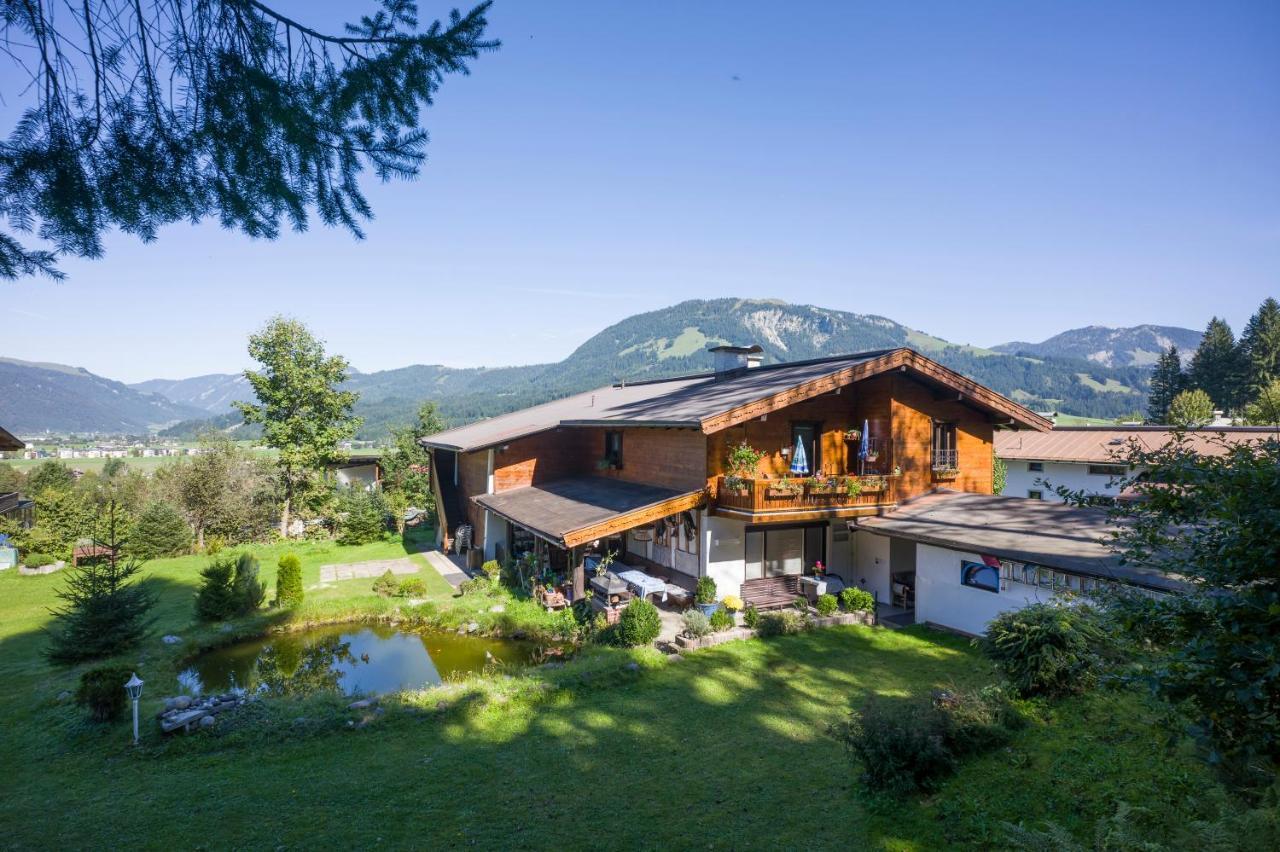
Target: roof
712, 402
1055, 535
8, 442
1104, 443
569, 512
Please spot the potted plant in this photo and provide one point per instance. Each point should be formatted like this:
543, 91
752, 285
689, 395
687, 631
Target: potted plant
853, 435
822, 485
740, 467
704, 596
785, 487
733, 603
872, 483
852, 487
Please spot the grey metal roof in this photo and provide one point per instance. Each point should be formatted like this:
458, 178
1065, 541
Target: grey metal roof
1052, 534
554, 509
1109, 444
683, 402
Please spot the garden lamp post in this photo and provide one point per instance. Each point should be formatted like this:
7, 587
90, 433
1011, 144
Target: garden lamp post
134, 688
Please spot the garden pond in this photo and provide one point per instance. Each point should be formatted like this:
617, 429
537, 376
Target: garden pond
352, 660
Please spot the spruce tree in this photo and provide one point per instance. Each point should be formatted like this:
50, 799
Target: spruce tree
1167, 381
105, 611
1218, 368
159, 531
1261, 345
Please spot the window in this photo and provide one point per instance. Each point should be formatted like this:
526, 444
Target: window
1108, 469
613, 450
980, 576
1035, 495
944, 446
1035, 467
778, 551
807, 434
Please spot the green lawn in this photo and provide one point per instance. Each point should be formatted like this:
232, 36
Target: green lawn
725, 749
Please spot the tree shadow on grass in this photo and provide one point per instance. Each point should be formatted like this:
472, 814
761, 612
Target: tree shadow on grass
726, 748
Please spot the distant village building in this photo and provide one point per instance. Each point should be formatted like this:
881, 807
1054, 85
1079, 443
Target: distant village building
1089, 459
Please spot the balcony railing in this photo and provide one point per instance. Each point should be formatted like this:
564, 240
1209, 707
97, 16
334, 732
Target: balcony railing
945, 460
778, 496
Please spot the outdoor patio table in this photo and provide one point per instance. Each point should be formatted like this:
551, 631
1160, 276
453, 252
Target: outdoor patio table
644, 584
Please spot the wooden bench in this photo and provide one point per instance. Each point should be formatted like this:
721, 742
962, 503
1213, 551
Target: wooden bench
771, 592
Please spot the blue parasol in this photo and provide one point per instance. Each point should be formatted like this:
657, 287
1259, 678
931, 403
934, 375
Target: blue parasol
863, 444
799, 462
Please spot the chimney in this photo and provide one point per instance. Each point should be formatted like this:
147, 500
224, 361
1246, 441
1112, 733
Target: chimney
729, 360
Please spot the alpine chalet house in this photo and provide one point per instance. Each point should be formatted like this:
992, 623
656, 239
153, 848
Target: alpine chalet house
763, 477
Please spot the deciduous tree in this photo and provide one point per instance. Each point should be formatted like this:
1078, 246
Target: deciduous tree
1190, 409
303, 412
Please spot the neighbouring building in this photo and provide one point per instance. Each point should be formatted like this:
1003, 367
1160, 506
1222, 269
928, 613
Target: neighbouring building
860, 457
12, 505
1089, 459
357, 470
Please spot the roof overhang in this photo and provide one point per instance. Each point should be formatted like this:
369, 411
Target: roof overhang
9, 442
898, 359
572, 512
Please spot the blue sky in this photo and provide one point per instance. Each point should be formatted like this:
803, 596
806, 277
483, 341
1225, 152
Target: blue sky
981, 171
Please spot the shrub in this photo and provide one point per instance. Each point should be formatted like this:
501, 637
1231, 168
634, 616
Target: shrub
229, 586
289, 581
785, 622
493, 570
800, 603
412, 587
364, 516
477, 586
696, 623
215, 600
38, 560
101, 690
827, 605
721, 620
387, 585
854, 599
245, 585
751, 616
1045, 649
911, 745
159, 531
639, 623
705, 591
902, 746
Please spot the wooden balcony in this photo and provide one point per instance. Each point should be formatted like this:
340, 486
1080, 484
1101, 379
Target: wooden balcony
801, 499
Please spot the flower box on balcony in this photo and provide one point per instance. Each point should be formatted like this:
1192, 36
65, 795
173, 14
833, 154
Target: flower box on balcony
945, 473
873, 484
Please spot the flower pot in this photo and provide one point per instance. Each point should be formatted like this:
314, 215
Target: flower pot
708, 609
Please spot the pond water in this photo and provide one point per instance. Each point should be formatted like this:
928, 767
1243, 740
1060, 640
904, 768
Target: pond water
350, 659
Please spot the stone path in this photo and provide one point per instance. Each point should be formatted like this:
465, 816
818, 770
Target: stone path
446, 567
374, 568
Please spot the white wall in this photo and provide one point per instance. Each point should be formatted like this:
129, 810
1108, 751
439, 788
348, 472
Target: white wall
840, 553
495, 531
1076, 477
363, 476
724, 548
871, 564
942, 599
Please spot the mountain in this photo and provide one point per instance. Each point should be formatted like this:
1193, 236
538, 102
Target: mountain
673, 341
213, 393
35, 397
1138, 346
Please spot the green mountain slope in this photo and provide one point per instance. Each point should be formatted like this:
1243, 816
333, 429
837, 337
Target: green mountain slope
35, 397
673, 341
1137, 346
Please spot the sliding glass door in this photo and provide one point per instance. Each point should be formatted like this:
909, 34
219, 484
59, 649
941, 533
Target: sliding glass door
783, 550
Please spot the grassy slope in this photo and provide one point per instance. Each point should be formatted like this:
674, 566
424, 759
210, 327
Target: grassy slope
725, 749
